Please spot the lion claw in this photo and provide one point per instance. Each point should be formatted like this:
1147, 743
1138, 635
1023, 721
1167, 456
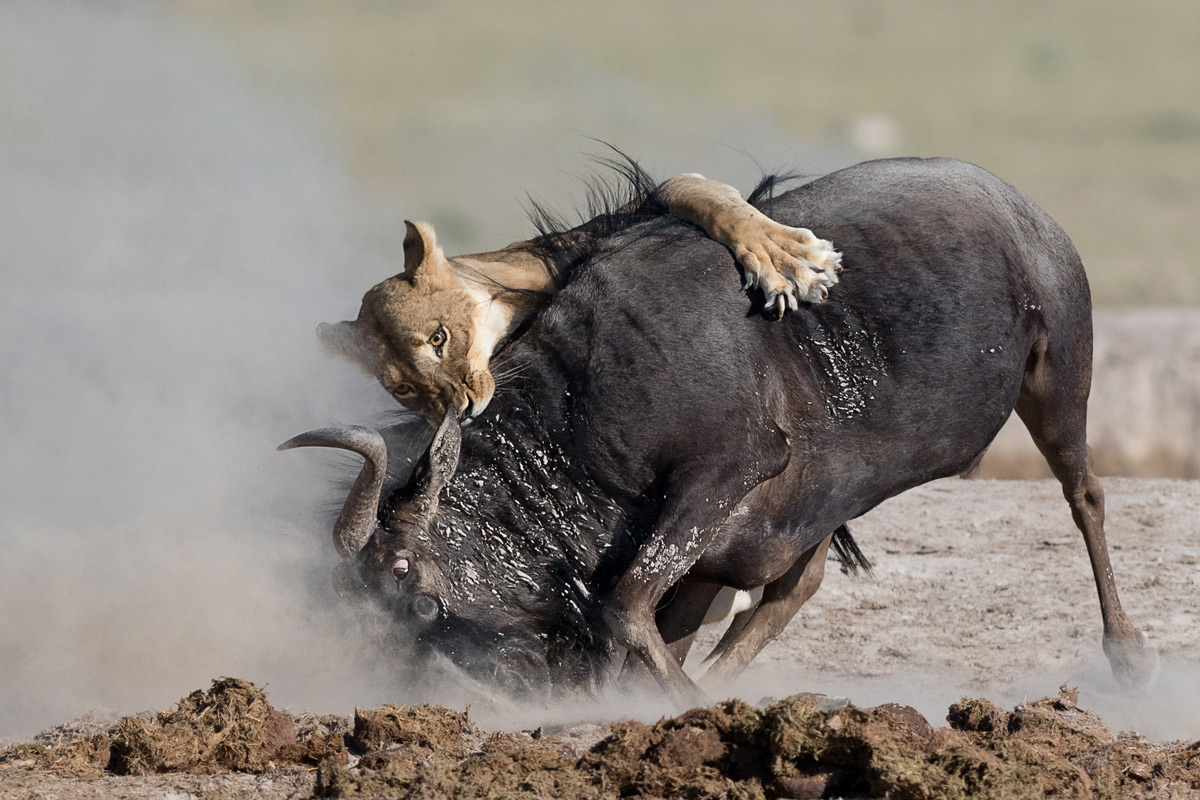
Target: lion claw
790, 265
780, 306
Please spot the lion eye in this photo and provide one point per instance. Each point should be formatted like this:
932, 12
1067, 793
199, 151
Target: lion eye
404, 390
438, 340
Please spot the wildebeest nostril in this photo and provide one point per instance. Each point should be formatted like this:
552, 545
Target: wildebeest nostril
520, 672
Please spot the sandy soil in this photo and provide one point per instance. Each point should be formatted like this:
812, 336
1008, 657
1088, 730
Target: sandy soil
981, 588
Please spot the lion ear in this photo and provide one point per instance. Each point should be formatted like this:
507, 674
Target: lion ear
343, 339
423, 259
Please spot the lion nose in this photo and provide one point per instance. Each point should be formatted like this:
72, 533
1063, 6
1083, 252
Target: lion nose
467, 412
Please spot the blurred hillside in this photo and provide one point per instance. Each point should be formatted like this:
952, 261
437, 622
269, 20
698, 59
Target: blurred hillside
453, 111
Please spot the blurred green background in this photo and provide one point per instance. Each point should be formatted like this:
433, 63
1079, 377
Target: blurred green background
452, 111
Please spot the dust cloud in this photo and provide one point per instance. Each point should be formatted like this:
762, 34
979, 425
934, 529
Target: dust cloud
169, 239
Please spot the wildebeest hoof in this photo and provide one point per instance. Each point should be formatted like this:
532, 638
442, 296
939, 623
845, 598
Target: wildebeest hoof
1133, 659
688, 696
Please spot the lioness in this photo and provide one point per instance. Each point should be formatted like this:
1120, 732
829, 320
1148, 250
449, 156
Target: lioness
428, 334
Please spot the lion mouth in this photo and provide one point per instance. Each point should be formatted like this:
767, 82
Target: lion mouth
468, 408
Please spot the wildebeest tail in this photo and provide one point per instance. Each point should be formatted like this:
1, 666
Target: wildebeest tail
845, 549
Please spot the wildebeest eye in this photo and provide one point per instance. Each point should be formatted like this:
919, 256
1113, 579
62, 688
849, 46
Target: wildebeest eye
403, 390
400, 569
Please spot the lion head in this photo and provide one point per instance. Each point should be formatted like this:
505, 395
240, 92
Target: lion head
415, 333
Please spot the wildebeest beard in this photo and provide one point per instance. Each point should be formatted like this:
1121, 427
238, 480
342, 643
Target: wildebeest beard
506, 576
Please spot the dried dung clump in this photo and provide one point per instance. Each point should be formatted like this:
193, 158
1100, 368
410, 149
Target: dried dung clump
798, 747
318, 737
505, 766
431, 728
703, 753
83, 757
977, 716
229, 727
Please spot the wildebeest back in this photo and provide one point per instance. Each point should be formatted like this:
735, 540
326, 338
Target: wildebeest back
905, 374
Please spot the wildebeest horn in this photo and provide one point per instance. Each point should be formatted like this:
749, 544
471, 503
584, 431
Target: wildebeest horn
359, 513
443, 461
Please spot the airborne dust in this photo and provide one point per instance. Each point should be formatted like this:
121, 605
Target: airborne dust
169, 238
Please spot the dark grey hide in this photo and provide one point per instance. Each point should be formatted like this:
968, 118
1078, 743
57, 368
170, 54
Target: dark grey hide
663, 432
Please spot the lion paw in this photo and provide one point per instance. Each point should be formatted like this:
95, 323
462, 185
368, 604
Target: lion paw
790, 265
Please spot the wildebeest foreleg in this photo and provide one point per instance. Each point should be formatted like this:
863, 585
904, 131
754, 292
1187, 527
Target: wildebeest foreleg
687, 524
781, 600
678, 621
700, 498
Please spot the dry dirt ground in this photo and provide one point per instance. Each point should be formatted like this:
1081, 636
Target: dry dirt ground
981, 588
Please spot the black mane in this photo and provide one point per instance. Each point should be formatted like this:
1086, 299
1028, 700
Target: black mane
622, 197
614, 202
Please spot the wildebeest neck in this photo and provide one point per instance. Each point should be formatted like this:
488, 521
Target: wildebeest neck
521, 533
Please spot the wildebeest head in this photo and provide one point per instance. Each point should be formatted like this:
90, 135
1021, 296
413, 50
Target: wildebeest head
397, 558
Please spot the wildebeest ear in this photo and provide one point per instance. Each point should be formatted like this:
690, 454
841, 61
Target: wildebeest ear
422, 256
442, 457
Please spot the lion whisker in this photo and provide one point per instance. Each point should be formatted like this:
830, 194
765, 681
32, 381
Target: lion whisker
510, 372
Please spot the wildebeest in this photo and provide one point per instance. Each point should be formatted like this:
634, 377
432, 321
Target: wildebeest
662, 434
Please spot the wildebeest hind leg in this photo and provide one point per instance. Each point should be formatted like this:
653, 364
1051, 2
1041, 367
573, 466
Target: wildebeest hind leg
680, 619
781, 600
1053, 406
